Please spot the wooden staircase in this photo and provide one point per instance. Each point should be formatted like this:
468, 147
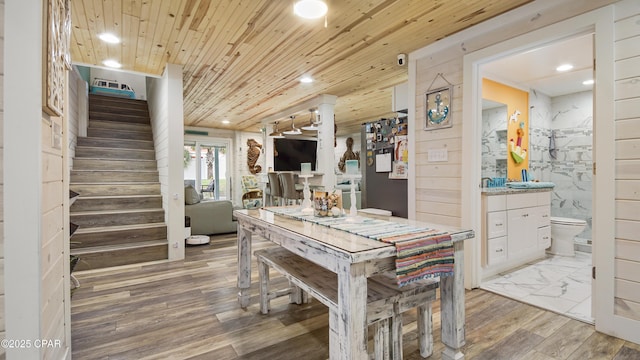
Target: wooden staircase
119, 210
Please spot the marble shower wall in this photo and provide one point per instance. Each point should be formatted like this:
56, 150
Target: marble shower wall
539, 129
571, 171
570, 118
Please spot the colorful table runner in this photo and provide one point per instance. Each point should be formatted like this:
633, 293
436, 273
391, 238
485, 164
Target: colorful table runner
422, 252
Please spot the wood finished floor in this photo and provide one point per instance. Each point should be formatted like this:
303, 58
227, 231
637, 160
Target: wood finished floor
188, 310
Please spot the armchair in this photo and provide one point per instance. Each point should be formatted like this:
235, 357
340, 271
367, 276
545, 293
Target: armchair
208, 217
251, 192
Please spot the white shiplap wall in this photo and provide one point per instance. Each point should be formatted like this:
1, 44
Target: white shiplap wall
165, 109
627, 114
438, 184
78, 112
2, 328
53, 255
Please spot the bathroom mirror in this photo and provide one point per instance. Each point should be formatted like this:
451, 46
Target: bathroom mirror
494, 139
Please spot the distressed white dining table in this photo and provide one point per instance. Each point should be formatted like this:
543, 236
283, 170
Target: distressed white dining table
353, 258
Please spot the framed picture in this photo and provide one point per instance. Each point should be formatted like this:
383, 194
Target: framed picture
438, 108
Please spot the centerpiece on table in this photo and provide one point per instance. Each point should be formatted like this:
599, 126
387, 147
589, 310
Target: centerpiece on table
327, 203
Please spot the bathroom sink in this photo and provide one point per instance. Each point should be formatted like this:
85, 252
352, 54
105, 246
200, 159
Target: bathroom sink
530, 185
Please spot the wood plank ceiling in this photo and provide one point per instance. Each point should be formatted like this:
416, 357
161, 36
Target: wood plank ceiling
243, 59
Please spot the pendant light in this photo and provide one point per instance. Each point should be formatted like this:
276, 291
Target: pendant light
276, 132
310, 9
294, 130
313, 126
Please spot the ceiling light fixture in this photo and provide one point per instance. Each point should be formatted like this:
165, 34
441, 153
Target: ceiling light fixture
225, 121
294, 130
588, 82
310, 9
313, 125
109, 38
564, 67
306, 79
276, 132
112, 64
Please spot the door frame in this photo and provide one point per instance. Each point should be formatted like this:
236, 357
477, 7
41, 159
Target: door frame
600, 22
213, 142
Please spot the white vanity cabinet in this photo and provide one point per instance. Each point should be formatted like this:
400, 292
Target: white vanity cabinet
517, 229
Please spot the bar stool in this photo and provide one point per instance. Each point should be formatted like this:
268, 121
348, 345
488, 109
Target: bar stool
275, 188
289, 191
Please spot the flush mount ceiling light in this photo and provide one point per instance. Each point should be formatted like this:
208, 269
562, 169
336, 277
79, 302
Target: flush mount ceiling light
294, 130
313, 125
112, 64
276, 132
306, 79
109, 38
564, 67
310, 9
225, 121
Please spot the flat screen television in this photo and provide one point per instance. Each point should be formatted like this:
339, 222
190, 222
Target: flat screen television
288, 154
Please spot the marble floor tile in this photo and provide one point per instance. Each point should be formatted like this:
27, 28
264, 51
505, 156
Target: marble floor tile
557, 283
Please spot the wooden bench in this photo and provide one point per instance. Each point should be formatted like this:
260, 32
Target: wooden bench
385, 300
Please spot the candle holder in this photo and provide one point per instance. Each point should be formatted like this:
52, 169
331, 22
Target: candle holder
353, 210
307, 207
305, 168
351, 167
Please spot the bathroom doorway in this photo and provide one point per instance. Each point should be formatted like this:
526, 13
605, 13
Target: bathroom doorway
559, 150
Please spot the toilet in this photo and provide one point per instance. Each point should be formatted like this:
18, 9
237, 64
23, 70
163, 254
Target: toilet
563, 230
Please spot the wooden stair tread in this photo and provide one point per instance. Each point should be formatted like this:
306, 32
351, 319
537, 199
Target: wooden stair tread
110, 212
116, 170
98, 197
114, 148
111, 159
116, 183
129, 246
98, 138
119, 228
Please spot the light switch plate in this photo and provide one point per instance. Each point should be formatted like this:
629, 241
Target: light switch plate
437, 155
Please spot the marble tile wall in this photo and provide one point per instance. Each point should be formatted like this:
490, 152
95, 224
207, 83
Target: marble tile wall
539, 129
494, 142
571, 171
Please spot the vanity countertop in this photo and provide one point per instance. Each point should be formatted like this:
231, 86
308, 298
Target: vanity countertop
507, 190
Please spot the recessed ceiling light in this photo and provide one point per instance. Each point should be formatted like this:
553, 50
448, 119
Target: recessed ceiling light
310, 9
225, 122
112, 64
564, 67
588, 82
109, 38
306, 79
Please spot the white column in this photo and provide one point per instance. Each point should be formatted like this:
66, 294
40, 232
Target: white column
175, 117
22, 175
325, 151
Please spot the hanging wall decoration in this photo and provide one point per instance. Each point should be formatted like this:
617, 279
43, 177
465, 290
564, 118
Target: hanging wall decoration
438, 105
253, 153
517, 152
57, 57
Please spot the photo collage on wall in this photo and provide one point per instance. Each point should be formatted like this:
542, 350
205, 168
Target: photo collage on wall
387, 146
